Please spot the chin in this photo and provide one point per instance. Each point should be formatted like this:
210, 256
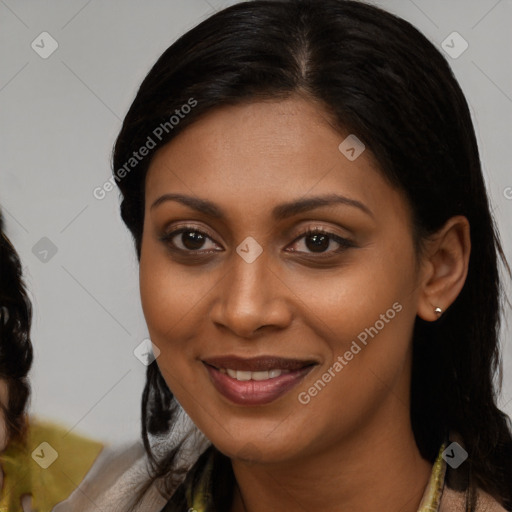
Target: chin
252, 450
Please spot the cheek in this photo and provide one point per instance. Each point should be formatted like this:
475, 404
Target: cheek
172, 297
354, 296
364, 314
167, 294
165, 304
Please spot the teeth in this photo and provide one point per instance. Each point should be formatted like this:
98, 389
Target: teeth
245, 375
260, 375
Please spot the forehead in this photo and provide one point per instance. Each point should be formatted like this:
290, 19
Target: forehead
264, 152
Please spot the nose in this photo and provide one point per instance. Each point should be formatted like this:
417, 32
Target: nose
251, 296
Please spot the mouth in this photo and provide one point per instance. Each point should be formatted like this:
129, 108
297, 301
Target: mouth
256, 381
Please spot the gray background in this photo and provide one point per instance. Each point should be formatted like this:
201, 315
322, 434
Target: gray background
58, 120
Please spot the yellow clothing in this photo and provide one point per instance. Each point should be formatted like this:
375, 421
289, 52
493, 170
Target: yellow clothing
48, 466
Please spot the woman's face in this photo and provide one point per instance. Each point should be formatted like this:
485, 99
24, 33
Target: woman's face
245, 285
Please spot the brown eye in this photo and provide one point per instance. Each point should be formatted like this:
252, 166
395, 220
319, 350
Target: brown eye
192, 240
319, 241
188, 239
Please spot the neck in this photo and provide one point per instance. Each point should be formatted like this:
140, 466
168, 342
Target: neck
378, 468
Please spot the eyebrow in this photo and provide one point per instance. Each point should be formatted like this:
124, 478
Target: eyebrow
280, 212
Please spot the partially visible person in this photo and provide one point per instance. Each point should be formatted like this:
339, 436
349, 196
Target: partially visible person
30, 480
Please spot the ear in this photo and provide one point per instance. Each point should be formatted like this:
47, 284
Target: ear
444, 267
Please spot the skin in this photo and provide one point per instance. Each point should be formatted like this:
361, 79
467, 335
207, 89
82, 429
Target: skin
355, 434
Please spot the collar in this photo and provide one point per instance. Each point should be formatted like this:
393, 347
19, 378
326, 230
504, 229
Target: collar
430, 502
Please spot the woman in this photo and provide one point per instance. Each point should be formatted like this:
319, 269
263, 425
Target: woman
318, 269
39, 461
15, 350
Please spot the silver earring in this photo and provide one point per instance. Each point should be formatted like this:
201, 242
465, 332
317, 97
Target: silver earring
438, 311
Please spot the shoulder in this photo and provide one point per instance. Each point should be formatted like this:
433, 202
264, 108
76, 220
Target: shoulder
113, 483
454, 501
120, 481
45, 464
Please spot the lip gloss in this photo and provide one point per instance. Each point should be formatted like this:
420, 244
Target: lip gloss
255, 392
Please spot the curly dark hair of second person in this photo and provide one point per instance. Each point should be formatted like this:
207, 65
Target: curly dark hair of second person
15, 344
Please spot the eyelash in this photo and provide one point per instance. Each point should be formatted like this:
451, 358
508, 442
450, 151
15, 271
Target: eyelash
343, 242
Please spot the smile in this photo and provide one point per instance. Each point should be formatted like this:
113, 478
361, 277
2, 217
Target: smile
256, 381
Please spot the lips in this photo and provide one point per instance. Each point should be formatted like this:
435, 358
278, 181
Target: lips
255, 381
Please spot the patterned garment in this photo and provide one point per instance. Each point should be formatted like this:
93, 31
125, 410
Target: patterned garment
47, 467
429, 503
